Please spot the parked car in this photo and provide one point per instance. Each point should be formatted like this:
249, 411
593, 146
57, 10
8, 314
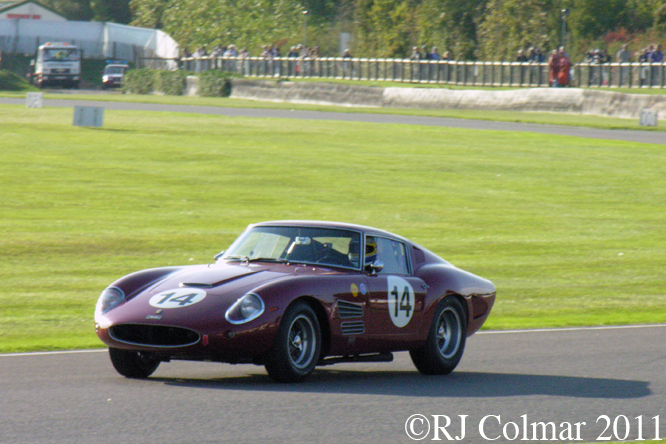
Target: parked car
292, 295
113, 74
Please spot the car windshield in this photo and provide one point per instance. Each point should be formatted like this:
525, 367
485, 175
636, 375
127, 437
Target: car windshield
323, 246
61, 55
114, 70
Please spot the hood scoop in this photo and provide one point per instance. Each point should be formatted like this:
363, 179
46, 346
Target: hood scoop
216, 277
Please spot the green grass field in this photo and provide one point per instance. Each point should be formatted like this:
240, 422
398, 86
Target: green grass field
570, 230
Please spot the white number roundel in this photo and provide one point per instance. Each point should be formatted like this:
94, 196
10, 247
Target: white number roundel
400, 301
177, 298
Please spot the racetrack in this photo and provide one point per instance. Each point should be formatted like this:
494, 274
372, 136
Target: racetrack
556, 376
657, 137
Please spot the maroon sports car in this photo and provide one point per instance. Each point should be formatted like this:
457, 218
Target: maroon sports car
292, 295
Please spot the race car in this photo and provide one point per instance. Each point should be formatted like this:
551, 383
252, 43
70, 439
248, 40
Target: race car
294, 295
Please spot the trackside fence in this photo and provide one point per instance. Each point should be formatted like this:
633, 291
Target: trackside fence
610, 75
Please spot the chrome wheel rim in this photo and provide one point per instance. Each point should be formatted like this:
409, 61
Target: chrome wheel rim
449, 332
302, 342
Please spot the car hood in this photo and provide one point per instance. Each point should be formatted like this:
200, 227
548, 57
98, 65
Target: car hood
218, 278
218, 286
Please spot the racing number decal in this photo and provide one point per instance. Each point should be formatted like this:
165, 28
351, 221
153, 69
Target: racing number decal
400, 301
177, 298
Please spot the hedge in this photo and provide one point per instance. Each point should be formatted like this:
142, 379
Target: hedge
146, 81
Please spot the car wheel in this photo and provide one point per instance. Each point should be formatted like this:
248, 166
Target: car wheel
297, 346
446, 340
132, 364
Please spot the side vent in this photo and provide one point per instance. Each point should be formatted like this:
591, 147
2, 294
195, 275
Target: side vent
352, 327
348, 310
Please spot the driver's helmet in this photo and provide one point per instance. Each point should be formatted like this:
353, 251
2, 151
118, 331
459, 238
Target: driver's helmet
370, 250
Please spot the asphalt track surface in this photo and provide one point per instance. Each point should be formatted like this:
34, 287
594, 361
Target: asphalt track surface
658, 137
600, 377
558, 376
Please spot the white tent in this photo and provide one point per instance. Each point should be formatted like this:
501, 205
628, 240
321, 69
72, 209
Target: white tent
96, 39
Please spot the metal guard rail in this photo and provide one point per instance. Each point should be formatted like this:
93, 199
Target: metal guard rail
495, 74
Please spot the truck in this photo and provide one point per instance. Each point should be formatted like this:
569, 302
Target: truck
57, 64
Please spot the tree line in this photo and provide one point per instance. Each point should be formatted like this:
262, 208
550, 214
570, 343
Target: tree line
470, 29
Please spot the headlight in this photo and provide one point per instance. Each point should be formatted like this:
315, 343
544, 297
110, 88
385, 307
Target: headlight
109, 298
105, 78
248, 307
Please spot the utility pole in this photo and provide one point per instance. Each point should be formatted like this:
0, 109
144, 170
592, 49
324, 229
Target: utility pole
305, 29
565, 14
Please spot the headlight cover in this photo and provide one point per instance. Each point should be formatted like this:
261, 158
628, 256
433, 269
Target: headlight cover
250, 306
109, 298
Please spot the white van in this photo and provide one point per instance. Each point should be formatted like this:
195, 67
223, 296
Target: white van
57, 64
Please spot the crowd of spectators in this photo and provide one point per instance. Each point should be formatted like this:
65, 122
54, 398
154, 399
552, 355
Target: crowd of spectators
649, 54
424, 54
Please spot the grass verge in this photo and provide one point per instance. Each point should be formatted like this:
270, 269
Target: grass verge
569, 230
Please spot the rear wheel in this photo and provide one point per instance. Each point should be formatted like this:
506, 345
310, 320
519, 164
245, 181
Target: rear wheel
297, 346
446, 340
132, 364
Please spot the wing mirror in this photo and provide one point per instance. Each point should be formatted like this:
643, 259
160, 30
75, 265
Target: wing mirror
374, 267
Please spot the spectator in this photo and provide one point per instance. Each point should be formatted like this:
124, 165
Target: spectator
656, 56
415, 55
434, 55
231, 51
563, 69
553, 68
293, 53
447, 56
347, 65
425, 55
623, 55
521, 57
535, 55
217, 51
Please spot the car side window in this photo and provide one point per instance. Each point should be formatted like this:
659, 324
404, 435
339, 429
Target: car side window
391, 253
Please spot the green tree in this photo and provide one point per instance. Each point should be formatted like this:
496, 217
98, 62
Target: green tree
246, 23
384, 28
591, 19
512, 25
117, 11
149, 13
71, 9
451, 25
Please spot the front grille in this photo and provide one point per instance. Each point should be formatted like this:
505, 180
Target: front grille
353, 328
60, 71
349, 310
153, 335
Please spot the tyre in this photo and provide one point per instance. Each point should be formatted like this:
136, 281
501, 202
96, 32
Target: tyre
446, 339
297, 346
132, 364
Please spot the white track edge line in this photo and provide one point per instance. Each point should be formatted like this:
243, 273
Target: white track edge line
489, 332
540, 330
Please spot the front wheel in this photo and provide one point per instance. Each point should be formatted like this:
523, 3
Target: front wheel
297, 346
132, 364
446, 340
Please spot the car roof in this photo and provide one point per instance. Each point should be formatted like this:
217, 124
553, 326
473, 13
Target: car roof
328, 224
